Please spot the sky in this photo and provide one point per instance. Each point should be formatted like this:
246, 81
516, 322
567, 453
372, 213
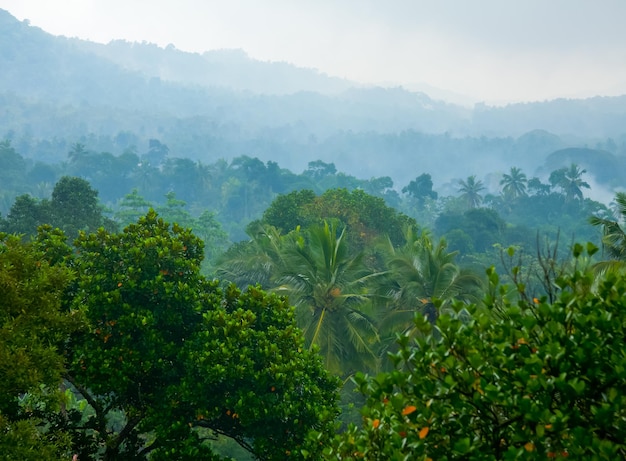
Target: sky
493, 51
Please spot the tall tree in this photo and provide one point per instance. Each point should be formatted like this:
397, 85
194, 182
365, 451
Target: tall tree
570, 181
326, 281
34, 325
422, 278
514, 183
173, 353
74, 206
613, 236
327, 285
470, 191
420, 189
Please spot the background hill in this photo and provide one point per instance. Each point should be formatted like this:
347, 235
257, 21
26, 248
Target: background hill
56, 91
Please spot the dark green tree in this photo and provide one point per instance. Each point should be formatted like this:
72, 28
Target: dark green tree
74, 207
177, 357
26, 214
420, 189
365, 217
286, 211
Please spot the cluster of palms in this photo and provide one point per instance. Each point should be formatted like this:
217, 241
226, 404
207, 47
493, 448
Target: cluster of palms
515, 184
350, 305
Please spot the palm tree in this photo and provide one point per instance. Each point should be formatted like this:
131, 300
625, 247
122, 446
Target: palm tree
613, 236
328, 287
254, 261
422, 278
470, 191
514, 183
77, 152
570, 181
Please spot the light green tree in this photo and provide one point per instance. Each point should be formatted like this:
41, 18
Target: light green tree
34, 325
132, 207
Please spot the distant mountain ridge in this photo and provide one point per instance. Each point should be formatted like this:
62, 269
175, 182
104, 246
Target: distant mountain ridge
220, 104
215, 68
144, 76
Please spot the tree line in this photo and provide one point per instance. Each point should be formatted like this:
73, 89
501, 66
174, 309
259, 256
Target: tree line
473, 214
132, 353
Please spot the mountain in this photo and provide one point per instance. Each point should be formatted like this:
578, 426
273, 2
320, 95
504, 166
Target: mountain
591, 117
232, 69
55, 91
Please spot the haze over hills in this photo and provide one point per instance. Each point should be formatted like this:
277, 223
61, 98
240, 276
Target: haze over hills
221, 104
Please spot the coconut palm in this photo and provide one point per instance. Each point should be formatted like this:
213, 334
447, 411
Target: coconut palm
422, 278
613, 236
254, 261
570, 181
470, 191
328, 287
514, 183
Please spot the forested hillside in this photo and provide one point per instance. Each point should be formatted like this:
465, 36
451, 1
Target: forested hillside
206, 256
121, 95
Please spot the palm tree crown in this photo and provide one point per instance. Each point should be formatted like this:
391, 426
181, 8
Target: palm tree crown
570, 181
514, 183
470, 191
422, 274
613, 236
328, 287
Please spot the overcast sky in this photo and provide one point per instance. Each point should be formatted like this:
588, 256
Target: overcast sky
490, 50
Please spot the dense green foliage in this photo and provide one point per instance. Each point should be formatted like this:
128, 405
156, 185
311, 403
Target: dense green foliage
158, 360
34, 325
117, 345
165, 359
366, 216
73, 206
218, 201
515, 378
